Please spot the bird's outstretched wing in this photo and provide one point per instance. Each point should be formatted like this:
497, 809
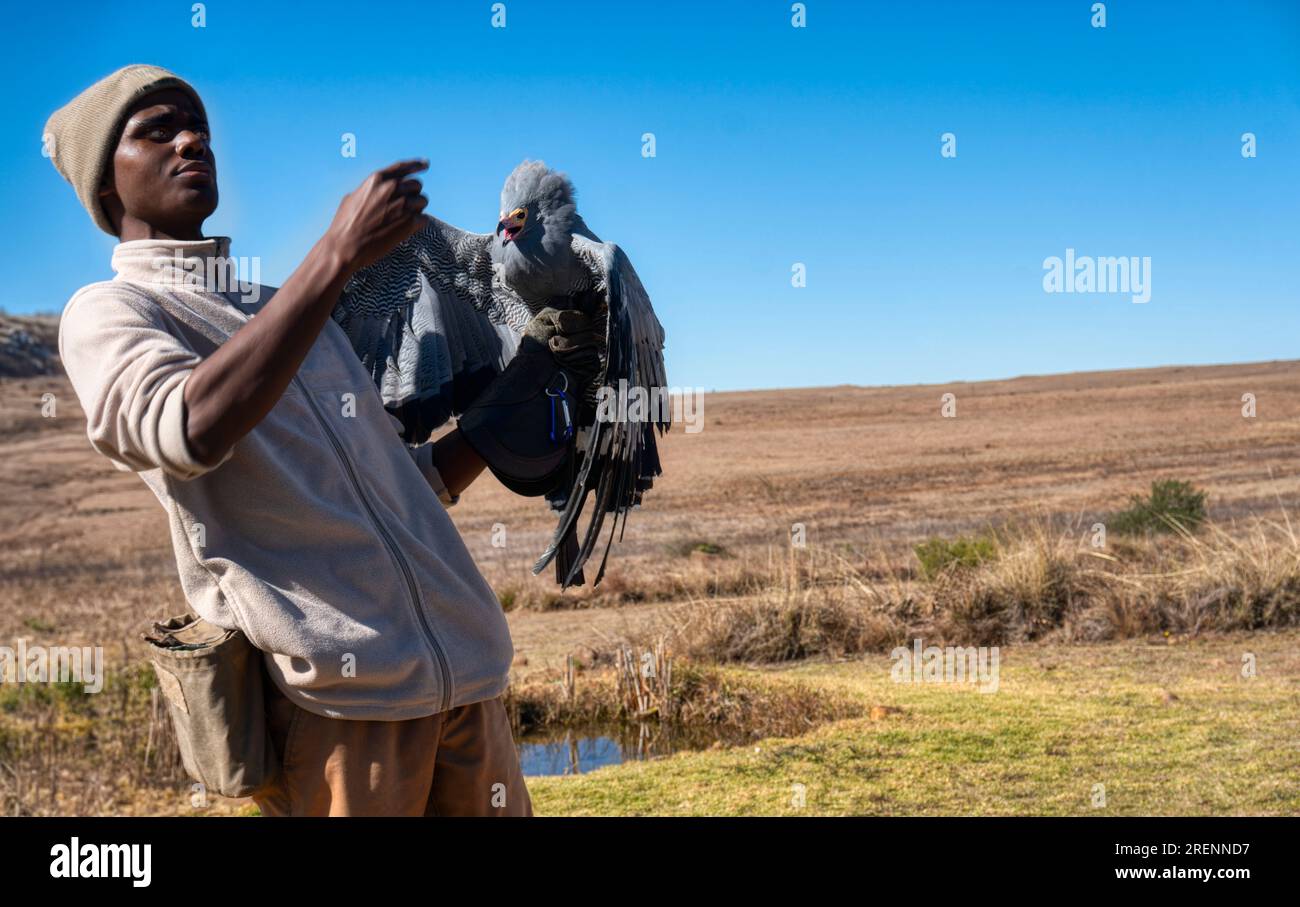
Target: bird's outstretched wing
619, 456
432, 324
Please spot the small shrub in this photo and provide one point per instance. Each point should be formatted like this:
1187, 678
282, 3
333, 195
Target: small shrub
697, 546
1172, 505
939, 555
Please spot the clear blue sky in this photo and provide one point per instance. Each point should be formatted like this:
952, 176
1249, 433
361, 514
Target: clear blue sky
775, 145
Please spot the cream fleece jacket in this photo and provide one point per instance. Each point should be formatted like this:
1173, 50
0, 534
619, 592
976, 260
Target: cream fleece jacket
320, 534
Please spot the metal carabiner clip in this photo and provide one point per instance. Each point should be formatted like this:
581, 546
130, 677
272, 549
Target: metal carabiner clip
560, 401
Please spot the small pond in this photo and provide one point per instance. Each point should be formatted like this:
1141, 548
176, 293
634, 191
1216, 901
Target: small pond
579, 750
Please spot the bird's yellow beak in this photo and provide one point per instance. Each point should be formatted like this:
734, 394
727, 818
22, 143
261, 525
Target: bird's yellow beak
513, 222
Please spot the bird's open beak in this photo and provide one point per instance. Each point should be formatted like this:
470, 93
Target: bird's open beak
512, 223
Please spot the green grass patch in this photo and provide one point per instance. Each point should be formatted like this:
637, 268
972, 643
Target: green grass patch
697, 546
1063, 720
938, 555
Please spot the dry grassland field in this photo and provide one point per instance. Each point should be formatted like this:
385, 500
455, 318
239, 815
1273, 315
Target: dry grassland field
766, 581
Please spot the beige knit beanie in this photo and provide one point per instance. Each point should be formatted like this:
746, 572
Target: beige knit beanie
82, 136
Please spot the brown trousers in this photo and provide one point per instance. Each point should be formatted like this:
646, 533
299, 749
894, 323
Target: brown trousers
462, 762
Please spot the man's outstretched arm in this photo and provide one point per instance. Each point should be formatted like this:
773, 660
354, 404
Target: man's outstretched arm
457, 463
232, 390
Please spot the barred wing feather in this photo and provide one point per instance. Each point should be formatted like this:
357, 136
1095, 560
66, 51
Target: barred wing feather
431, 324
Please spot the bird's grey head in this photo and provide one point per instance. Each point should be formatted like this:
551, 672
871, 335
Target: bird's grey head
535, 230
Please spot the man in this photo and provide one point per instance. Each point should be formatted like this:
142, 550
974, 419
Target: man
297, 514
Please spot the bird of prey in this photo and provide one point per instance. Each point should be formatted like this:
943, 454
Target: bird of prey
440, 316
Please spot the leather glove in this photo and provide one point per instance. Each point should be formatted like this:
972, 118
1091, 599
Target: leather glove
574, 339
522, 424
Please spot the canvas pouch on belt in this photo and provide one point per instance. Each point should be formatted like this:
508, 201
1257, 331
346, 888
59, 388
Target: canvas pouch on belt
213, 680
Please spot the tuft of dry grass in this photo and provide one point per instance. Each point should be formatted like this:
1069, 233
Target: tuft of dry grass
1045, 582
1227, 578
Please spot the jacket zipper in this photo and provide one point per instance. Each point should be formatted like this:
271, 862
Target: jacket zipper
413, 592
389, 542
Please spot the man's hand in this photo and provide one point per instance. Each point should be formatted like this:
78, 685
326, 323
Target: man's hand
232, 390
378, 215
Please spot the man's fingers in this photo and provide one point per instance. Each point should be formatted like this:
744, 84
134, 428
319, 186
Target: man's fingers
404, 206
404, 168
401, 230
409, 187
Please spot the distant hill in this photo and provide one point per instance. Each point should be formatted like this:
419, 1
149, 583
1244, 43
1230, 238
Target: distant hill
29, 345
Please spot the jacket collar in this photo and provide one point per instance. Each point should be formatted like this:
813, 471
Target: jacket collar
199, 264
